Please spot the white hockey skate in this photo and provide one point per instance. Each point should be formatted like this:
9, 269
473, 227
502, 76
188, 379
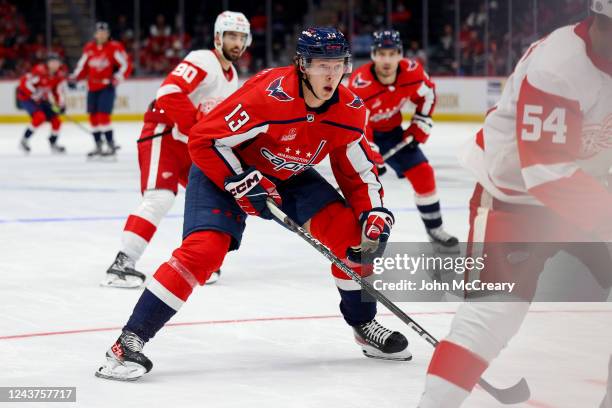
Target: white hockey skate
442, 241
121, 274
125, 360
376, 341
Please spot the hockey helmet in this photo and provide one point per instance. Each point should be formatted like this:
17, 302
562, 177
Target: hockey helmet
232, 21
602, 7
323, 43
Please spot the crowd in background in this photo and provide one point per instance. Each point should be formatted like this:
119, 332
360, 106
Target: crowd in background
21, 46
487, 45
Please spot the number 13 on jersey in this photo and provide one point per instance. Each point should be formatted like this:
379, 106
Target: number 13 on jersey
237, 118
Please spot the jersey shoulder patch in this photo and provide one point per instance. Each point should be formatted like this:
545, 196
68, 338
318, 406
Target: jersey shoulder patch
356, 103
276, 91
359, 81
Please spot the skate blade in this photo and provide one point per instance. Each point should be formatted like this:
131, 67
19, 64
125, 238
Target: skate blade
371, 352
114, 281
213, 278
113, 369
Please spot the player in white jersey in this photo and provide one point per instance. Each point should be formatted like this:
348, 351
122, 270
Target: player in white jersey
200, 82
541, 162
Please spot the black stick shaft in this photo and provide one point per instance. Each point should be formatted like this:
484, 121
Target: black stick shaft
513, 395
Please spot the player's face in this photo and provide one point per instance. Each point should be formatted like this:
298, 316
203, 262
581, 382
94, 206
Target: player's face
101, 36
387, 60
325, 76
53, 65
233, 45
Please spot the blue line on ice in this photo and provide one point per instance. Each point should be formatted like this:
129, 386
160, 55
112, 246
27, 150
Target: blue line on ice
124, 217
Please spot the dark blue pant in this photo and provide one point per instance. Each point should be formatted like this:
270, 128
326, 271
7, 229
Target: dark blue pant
406, 158
101, 101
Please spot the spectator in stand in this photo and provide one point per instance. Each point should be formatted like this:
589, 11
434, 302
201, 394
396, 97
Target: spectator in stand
416, 53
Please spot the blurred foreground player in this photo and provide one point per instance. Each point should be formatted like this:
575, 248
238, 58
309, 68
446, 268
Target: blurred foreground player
105, 64
260, 144
198, 84
386, 85
41, 92
541, 161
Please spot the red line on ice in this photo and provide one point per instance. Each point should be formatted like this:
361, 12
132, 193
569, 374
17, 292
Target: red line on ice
262, 319
538, 404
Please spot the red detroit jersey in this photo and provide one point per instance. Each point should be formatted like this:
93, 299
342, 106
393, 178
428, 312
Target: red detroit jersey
385, 102
266, 124
101, 63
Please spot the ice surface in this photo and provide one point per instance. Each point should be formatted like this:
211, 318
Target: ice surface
269, 333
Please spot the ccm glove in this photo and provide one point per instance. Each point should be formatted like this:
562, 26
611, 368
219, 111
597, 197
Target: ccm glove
419, 129
376, 227
251, 190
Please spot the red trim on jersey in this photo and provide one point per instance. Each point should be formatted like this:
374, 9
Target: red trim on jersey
480, 139
140, 226
456, 365
582, 31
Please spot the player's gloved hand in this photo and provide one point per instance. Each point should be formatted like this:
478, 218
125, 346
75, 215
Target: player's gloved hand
419, 129
251, 190
378, 159
376, 227
72, 83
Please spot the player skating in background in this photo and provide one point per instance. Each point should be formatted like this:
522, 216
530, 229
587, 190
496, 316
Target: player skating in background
104, 64
41, 92
261, 144
386, 85
198, 84
541, 162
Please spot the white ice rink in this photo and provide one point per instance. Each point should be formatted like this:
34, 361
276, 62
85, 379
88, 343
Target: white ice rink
269, 333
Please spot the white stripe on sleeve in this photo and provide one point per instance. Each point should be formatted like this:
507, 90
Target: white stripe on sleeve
430, 98
362, 166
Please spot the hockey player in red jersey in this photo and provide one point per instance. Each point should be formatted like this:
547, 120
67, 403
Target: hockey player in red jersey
41, 93
261, 144
200, 82
386, 85
542, 162
104, 64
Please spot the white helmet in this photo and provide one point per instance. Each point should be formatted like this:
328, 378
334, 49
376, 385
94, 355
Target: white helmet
602, 7
232, 21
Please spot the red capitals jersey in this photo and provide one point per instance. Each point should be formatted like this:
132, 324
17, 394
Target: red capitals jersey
266, 124
101, 64
385, 102
39, 85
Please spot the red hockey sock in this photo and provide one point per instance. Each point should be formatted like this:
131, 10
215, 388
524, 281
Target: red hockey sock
456, 365
337, 228
56, 123
141, 227
200, 254
38, 118
93, 120
422, 179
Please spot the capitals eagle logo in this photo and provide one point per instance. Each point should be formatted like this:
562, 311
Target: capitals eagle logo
276, 91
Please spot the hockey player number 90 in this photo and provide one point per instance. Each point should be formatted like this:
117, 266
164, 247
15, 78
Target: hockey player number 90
185, 71
238, 118
554, 124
